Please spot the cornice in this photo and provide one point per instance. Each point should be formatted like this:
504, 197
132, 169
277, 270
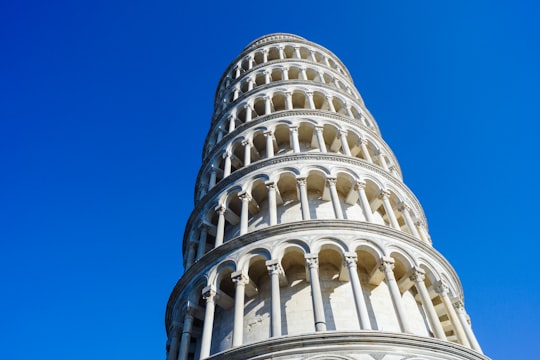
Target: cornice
308, 225
330, 342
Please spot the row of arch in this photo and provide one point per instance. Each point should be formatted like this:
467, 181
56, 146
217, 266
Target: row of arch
282, 51
330, 285
290, 195
286, 137
282, 72
294, 97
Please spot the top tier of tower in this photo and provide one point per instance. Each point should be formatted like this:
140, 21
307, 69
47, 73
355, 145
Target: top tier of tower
275, 58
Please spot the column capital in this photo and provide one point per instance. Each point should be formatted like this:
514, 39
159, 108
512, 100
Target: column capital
350, 259
175, 328
293, 128
441, 288
403, 207
301, 181
360, 184
208, 293
319, 128
273, 266
312, 261
239, 278
268, 133
246, 142
331, 181
386, 264
384, 194
244, 195
309, 94
417, 274
227, 153
220, 209
271, 185
458, 304
343, 132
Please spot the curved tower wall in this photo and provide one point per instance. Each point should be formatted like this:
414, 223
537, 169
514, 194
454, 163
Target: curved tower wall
304, 241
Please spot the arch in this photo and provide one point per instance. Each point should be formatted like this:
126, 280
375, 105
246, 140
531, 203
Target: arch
245, 260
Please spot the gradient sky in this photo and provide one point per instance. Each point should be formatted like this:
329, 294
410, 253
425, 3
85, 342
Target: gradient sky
104, 107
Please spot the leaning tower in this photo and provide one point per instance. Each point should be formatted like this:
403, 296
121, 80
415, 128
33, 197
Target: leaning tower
304, 242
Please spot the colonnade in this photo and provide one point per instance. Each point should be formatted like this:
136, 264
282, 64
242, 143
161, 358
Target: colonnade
268, 143
283, 72
293, 98
383, 271
394, 211
279, 52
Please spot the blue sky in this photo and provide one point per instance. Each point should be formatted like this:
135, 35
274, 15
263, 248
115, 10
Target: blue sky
104, 107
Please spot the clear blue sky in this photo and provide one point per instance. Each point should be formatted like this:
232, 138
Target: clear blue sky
104, 107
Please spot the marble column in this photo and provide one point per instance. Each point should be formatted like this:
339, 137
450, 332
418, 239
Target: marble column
209, 294
269, 144
460, 310
240, 280
320, 138
304, 200
442, 290
364, 202
344, 144
272, 202
288, 100
335, 197
227, 165
405, 210
294, 139
274, 269
387, 266
385, 197
247, 152
186, 335
220, 231
174, 342
244, 215
365, 151
201, 248
190, 256
359, 301
418, 276
312, 263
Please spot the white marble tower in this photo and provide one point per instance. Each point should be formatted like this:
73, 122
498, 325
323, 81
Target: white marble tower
304, 242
